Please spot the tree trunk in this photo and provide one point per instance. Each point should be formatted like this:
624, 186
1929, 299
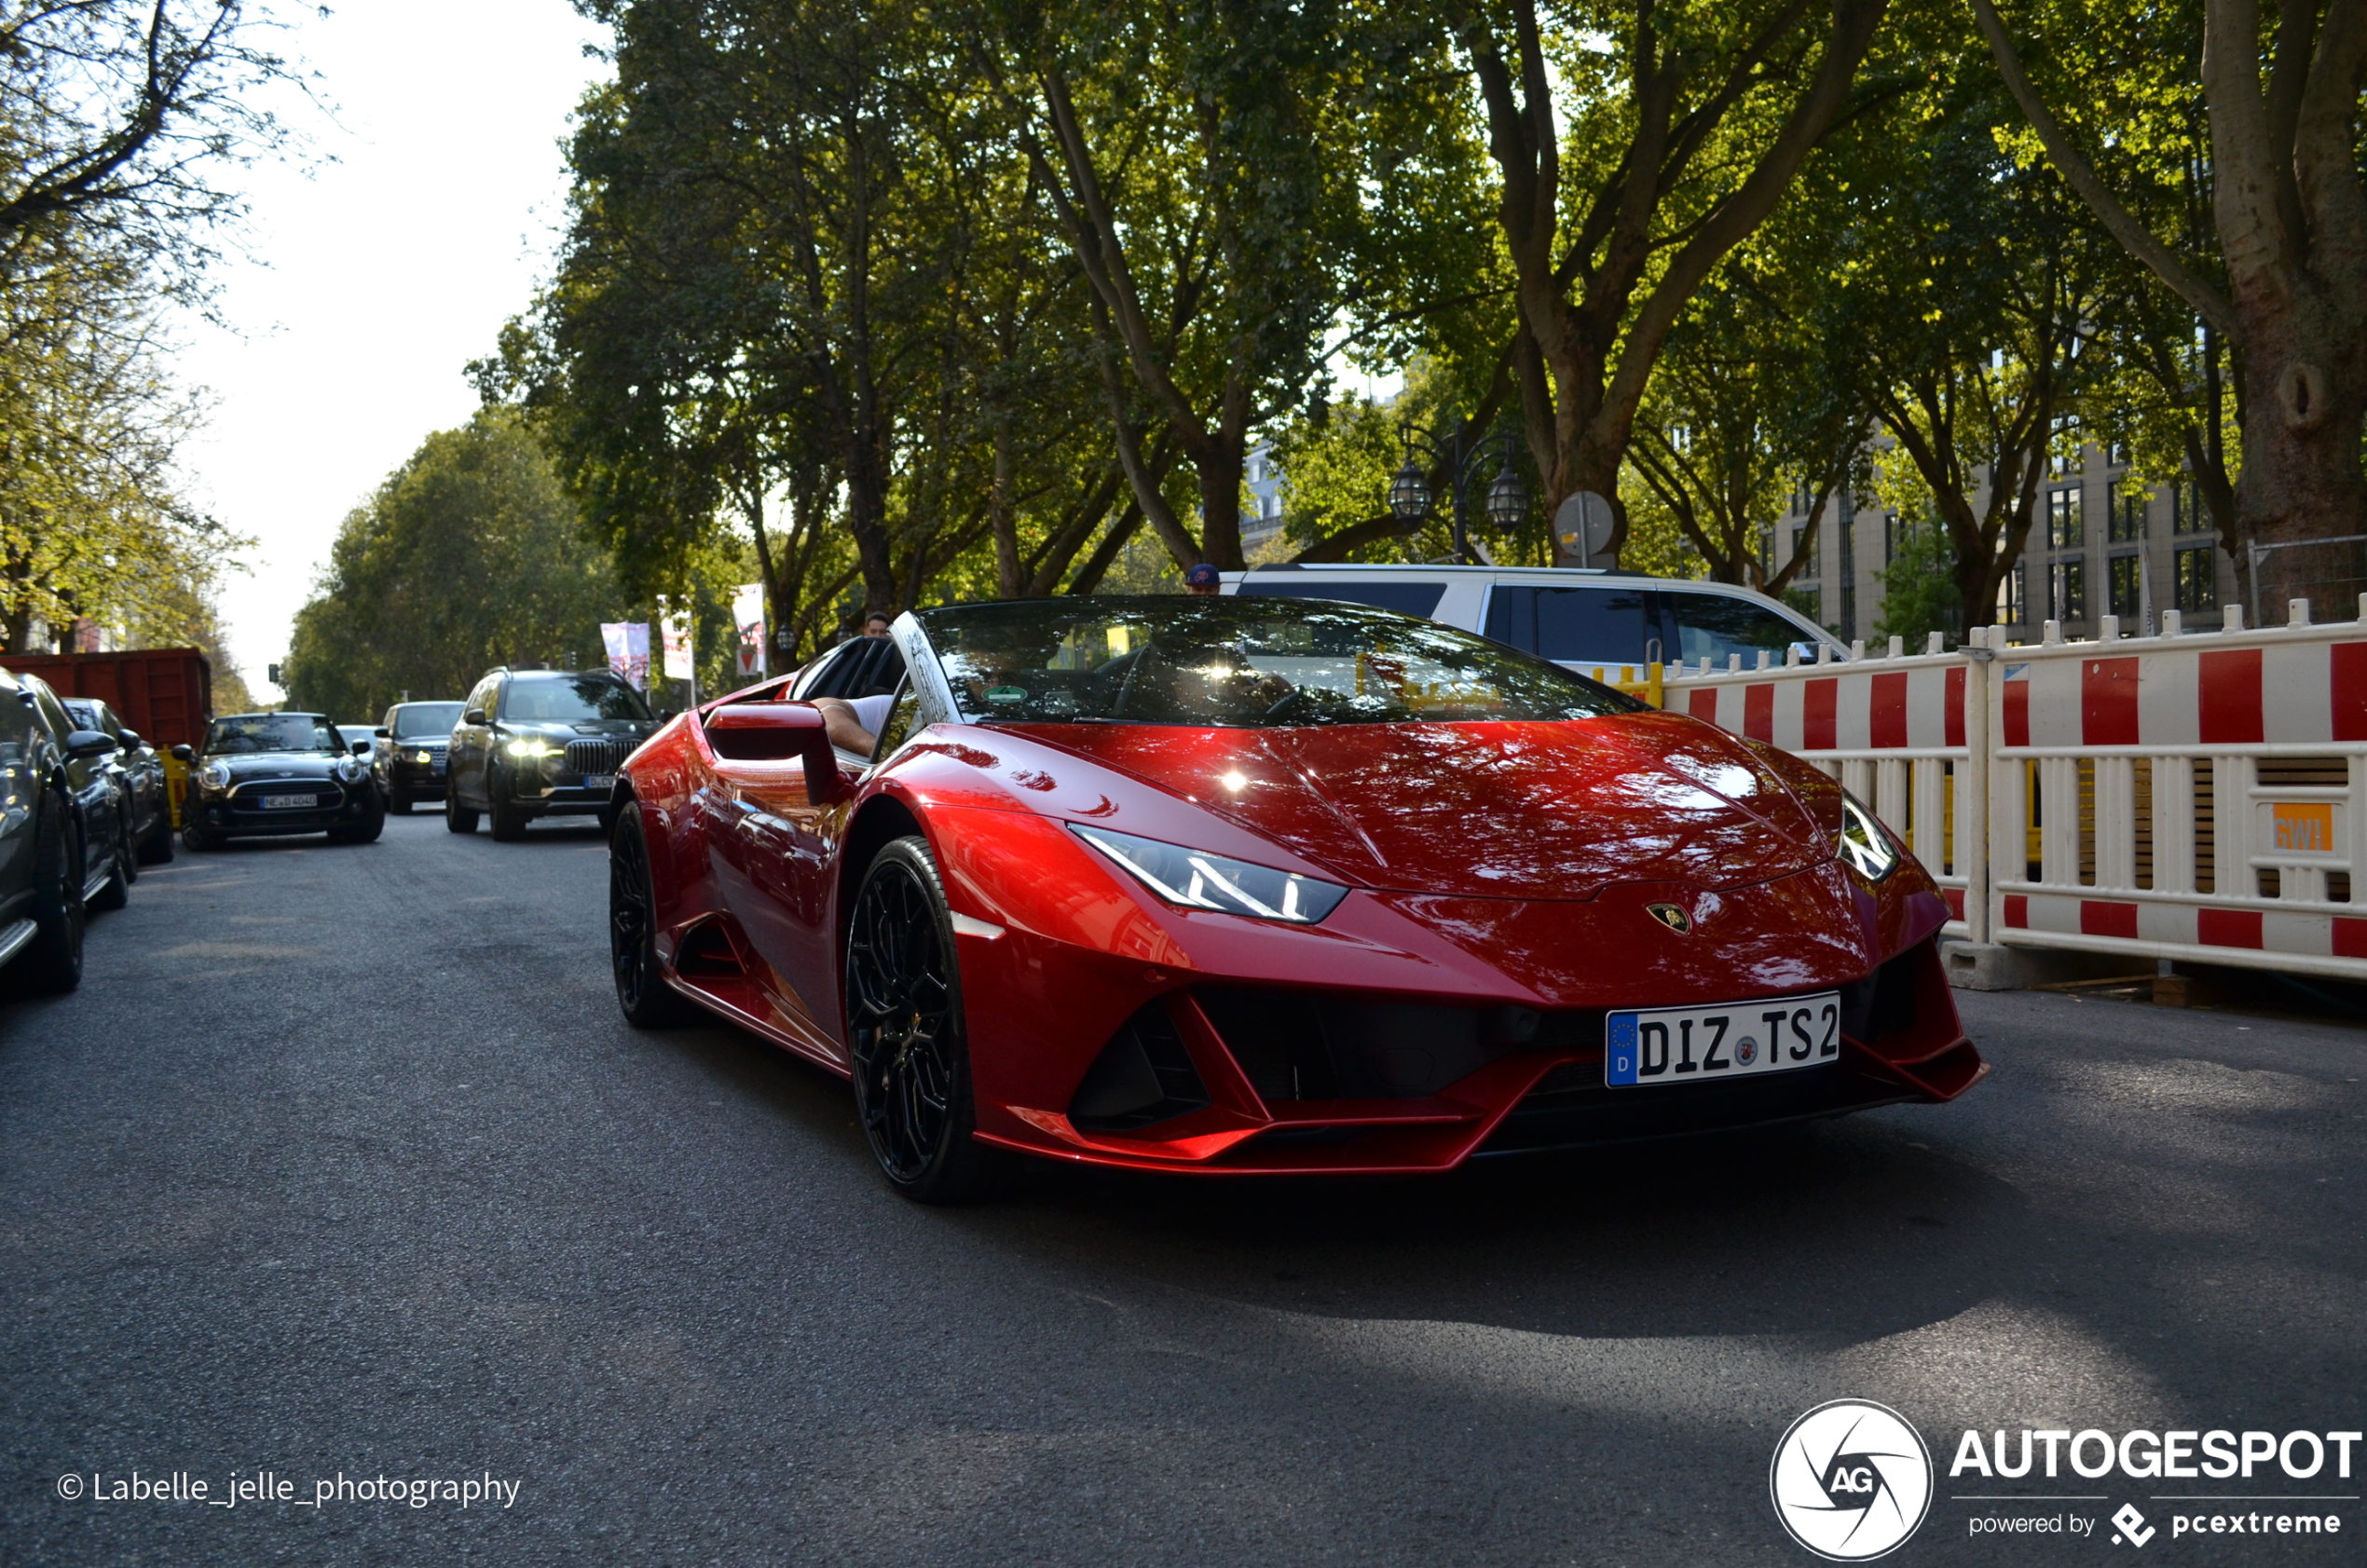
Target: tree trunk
2301, 490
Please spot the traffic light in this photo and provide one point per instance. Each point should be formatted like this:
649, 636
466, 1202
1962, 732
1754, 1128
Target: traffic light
272, 673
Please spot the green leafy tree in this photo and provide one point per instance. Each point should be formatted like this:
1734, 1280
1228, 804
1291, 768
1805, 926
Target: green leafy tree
469, 556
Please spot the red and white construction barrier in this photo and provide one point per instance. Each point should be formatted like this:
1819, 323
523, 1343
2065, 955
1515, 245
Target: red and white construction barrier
2197, 796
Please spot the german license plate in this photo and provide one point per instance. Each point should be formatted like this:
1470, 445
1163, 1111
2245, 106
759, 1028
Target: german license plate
599, 781
289, 802
1705, 1045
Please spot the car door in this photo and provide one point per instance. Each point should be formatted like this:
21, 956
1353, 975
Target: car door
89, 783
1699, 624
473, 743
20, 799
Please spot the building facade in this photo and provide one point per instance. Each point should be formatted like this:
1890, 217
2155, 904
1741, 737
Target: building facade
2104, 543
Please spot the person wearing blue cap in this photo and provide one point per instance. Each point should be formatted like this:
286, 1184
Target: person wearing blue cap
1201, 579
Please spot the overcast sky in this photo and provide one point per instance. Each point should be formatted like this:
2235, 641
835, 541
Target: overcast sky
376, 280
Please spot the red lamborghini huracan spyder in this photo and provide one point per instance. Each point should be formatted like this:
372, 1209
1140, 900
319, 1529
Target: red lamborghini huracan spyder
1267, 885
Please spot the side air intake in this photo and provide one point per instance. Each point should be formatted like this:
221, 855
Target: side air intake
1143, 1076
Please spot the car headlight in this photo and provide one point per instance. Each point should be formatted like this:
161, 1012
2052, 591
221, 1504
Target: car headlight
530, 746
423, 757
352, 769
1864, 844
216, 776
1192, 879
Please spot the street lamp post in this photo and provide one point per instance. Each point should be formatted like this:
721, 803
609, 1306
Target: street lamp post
1409, 492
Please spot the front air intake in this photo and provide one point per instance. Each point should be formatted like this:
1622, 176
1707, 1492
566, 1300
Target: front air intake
1142, 1077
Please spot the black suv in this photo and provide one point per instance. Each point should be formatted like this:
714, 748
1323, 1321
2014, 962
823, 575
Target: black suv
139, 769
541, 743
60, 835
409, 758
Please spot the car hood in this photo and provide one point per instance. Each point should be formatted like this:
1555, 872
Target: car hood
1532, 811
276, 765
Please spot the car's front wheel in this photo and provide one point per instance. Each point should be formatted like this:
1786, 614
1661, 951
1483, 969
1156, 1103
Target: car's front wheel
503, 816
457, 817
399, 801
157, 848
904, 1031
120, 876
641, 990
366, 831
51, 962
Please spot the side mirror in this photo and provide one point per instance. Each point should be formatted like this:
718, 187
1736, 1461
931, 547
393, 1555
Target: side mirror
775, 732
383, 733
474, 715
89, 742
131, 741
183, 754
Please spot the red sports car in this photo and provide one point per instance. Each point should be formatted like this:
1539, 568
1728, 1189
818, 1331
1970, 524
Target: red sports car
1266, 885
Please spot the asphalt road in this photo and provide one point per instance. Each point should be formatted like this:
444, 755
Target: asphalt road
342, 1161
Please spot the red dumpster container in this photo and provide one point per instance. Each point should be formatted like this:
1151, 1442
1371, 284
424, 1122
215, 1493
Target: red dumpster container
164, 693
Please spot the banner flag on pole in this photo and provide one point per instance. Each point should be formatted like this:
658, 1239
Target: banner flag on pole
628, 645
748, 614
676, 628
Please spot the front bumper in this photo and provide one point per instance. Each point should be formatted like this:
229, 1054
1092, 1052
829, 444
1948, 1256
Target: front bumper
421, 781
236, 815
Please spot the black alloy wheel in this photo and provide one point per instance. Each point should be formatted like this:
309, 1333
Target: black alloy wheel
194, 835
641, 990
120, 875
157, 848
502, 816
904, 1031
457, 817
366, 831
51, 962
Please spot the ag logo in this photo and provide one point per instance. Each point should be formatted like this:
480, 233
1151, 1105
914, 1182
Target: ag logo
1672, 917
1851, 1480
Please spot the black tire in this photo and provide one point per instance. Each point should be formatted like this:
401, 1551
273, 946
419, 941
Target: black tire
157, 848
457, 817
399, 801
197, 837
366, 831
502, 818
641, 990
51, 962
904, 1031
120, 874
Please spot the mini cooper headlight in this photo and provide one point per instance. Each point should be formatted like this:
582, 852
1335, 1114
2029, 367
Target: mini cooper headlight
352, 769
1193, 879
1864, 845
530, 746
216, 776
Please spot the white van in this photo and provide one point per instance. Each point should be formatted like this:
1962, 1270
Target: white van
1570, 615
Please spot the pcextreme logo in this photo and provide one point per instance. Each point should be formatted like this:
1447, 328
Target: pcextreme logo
1850, 1480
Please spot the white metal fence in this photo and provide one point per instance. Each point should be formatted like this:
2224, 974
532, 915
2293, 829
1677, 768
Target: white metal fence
2197, 796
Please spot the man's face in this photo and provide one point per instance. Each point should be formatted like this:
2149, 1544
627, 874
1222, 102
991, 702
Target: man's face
876, 627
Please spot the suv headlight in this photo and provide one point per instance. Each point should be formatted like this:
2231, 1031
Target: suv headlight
1864, 844
1192, 879
214, 775
531, 745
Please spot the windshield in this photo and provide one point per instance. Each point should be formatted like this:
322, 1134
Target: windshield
1247, 662
566, 698
271, 732
417, 721
84, 715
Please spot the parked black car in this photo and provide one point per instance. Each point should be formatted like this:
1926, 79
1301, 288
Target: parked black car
139, 768
273, 774
60, 845
408, 760
542, 743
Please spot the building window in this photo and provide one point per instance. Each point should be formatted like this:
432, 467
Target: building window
2127, 522
2117, 454
2069, 596
2063, 519
2198, 579
2186, 507
2129, 586
2063, 450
